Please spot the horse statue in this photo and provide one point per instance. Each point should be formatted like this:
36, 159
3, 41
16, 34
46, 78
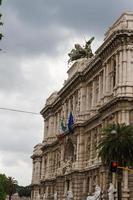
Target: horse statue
81, 52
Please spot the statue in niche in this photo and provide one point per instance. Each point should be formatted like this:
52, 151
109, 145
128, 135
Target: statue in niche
69, 195
111, 191
44, 196
38, 197
81, 52
96, 194
55, 196
68, 166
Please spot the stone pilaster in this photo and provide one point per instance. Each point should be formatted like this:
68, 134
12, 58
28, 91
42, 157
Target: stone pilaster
83, 99
120, 68
123, 117
93, 94
87, 98
125, 191
117, 69
100, 88
129, 67
104, 82
107, 77
124, 66
33, 171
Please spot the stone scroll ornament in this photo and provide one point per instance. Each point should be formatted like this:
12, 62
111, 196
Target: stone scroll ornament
81, 52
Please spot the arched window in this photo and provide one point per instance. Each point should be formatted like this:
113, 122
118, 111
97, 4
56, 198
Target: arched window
69, 151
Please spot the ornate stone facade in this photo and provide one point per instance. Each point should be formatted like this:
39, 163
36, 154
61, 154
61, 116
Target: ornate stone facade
98, 91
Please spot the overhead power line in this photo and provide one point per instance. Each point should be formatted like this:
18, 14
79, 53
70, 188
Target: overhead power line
21, 111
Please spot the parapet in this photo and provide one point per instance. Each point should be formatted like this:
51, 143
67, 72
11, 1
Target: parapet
51, 98
125, 21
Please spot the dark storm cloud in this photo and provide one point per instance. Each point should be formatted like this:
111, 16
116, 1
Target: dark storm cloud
11, 75
37, 34
38, 26
18, 133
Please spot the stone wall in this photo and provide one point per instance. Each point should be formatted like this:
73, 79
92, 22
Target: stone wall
98, 91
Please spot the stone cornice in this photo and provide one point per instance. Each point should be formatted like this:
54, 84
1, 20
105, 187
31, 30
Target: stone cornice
64, 92
109, 105
114, 41
46, 146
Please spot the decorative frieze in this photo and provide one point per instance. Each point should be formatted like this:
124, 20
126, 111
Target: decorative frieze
97, 92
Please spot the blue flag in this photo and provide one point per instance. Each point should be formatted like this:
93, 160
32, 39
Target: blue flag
70, 122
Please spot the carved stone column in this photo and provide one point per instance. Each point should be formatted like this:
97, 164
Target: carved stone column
129, 66
91, 146
43, 168
117, 68
100, 89
74, 104
125, 192
124, 65
104, 81
125, 117
93, 94
45, 129
83, 99
120, 68
38, 168
87, 98
107, 77
33, 172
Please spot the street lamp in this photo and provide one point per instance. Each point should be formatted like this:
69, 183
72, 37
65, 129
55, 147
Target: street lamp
114, 132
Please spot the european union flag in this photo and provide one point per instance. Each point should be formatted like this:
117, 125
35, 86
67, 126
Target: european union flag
70, 122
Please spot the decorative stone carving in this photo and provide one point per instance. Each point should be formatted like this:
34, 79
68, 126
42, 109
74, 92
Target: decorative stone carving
55, 196
96, 195
115, 52
68, 166
38, 197
111, 191
44, 196
59, 171
69, 195
51, 98
81, 52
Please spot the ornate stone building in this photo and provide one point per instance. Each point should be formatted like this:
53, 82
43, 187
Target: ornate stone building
98, 91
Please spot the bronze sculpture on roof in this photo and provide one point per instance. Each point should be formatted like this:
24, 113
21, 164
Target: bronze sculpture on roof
81, 52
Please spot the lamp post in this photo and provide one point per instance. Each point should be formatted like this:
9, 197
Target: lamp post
114, 132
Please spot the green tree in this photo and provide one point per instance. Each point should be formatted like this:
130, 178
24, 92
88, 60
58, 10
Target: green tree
24, 191
117, 145
3, 186
1, 23
11, 186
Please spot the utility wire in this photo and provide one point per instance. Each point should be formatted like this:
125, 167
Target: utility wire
16, 110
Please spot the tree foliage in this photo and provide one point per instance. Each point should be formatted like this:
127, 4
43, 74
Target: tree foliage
24, 191
117, 144
1, 23
3, 186
11, 186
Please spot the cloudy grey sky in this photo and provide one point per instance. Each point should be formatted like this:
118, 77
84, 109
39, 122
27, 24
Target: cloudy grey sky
38, 35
